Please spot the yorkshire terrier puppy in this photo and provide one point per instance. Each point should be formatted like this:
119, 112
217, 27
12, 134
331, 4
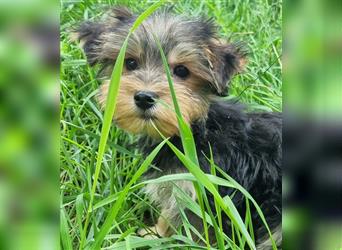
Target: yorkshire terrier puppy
247, 146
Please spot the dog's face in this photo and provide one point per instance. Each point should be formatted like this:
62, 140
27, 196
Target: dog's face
200, 65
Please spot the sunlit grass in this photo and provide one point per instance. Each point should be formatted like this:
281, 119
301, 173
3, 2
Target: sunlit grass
101, 203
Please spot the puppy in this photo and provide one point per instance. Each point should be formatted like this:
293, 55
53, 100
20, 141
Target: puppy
247, 146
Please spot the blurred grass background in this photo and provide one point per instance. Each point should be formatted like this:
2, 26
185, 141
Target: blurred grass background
255, 23
29, 185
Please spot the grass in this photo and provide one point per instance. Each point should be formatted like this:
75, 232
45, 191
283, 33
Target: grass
100, 204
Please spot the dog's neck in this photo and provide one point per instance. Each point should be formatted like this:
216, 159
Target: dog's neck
197, 127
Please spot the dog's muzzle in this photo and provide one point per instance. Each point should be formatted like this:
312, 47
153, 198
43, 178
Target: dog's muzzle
145, 99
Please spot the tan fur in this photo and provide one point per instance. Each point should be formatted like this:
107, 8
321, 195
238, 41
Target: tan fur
128, 116
191, 43
266, 244
162, 194
161, 228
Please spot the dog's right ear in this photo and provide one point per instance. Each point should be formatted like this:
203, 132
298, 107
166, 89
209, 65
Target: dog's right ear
89, 33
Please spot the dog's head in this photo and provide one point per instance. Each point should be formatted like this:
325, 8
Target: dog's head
201, 67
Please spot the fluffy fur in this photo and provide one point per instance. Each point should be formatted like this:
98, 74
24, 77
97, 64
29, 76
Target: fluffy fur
247, 146
192, 43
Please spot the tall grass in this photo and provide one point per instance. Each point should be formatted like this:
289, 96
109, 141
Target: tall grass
190, 161
115, 209
107, 121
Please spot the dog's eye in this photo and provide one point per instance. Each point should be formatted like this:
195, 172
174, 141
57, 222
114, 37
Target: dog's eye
131, 64
181, 71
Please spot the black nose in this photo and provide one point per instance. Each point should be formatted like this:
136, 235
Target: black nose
145, 99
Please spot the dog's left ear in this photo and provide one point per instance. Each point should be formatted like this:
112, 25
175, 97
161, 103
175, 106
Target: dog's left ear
225, 61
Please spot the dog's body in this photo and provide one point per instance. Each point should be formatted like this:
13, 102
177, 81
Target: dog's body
247, 146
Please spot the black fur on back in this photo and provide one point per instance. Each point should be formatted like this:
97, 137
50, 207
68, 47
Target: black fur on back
247, 146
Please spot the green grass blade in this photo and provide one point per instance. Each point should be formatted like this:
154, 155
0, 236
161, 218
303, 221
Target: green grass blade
201, 177
218, 232
128, 244
116, 207
247, 195
79, 211
65, 231
145, 14
228, 182
195, 208
110, 109
200, 192
229, 209
187, 138
138, 243
108, 116
249, 221
188, 141
217, 207
190, 153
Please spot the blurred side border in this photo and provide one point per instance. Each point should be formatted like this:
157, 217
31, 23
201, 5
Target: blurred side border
29, 130
312, 90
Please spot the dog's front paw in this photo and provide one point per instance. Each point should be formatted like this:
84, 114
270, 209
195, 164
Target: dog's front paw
159, 229
148, 233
